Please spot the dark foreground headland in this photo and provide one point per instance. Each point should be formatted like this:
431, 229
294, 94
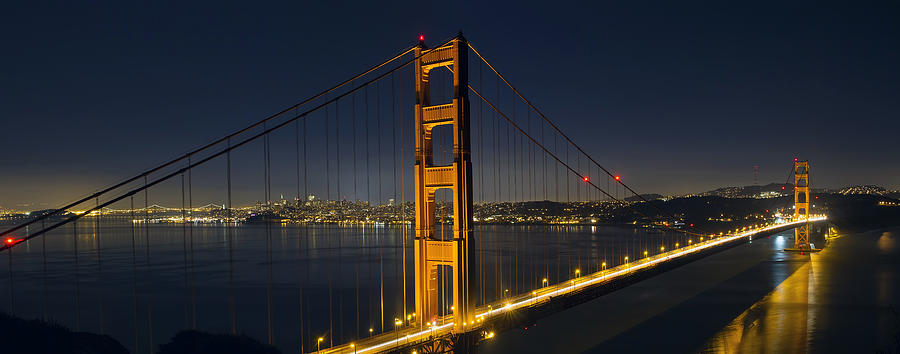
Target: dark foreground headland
20, 336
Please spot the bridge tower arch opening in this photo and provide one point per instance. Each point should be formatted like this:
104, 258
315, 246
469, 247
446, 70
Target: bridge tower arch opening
435, 256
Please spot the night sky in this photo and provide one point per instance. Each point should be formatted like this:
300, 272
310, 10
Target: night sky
677, 97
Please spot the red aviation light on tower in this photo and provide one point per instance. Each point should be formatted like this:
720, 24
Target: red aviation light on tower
421, 38
796, 159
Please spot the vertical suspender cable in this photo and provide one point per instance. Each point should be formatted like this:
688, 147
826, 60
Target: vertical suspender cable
513, 270
99, 267
340, 275
337, 133
482, 155
268, 198
44, 269
305, 159
355, 194
229, 230
134, 299
497, 151
327, 159
184, 252
394, 133
509, 168
546, 198
396, 181
556, 183
77, 280
337, 152
403, 226
531, 272
514, 171
299, 235
378, 158
368, 171
191, 246
497, 267
367, 149
12, 302
353, 142
328, 199
568, 188
378, 131
147, 264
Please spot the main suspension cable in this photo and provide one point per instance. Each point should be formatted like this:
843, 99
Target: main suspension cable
202, 161
561, 162
555, 127
212, 144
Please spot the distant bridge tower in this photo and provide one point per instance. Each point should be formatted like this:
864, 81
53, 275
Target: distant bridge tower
801, 204
435, 257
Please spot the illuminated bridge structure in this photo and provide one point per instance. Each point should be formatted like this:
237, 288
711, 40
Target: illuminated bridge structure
463, 166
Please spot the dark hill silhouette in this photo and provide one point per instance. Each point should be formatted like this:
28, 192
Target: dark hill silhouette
19, 336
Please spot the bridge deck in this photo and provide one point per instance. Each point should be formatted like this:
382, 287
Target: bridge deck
442, 327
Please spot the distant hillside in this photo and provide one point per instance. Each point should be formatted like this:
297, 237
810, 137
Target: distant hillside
652, 196
770, 190
869, 190
773, 190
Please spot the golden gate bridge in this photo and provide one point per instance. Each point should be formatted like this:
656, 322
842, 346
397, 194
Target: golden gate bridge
351, 157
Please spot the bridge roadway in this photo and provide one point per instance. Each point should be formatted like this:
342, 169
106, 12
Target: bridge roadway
409, 336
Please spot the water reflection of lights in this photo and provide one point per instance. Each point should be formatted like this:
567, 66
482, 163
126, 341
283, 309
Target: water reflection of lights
779, 242
775, 323
886, 242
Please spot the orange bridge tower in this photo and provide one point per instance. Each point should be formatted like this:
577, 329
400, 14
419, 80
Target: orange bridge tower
441, 264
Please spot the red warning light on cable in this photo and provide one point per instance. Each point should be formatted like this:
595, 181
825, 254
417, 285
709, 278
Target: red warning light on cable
618, 178
585, 178
10, 240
